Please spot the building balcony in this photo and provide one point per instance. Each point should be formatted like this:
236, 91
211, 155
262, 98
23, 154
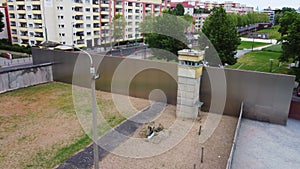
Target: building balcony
21, 11
36, 11
38, 30
95, 5
22, 20
105, 5
20, 2
35, 2
37, 21
78, 13
79, 29
79, 21
37, 38
104, 20
119, 6
14, 35
105, 12
24, 37
78, 4
80, 45
23, 28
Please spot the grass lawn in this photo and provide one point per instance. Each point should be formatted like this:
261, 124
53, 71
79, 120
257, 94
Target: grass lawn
260, 61
40, 129
248, 45
274, 34
274, 48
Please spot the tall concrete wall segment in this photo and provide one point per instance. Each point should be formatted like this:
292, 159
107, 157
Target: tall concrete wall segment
23, 76
266, 97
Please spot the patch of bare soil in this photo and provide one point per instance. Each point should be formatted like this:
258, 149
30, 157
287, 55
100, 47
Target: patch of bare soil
184, 155
39, 118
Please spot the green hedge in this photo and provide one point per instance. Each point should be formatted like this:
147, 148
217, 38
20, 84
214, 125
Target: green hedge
6, 45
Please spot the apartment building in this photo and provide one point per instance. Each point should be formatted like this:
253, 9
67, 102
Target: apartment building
270, 13
5, 32
73, 22
84, 23
199, 20
134, 11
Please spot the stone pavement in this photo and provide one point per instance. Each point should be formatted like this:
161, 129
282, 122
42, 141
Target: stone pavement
113, 138
262, 145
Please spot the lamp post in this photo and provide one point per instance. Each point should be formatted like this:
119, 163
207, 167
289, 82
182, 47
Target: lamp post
271, 64
94, 76
105, 37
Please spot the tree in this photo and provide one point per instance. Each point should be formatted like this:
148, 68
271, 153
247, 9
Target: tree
2, 25
280, 12
223, 34
290, 36
158, 35
179, 10
119, 24
201, 10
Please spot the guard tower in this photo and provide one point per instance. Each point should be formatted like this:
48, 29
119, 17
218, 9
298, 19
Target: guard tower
189, 73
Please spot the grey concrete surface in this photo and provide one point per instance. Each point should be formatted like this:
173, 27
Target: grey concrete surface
263, 145
113, 138
16, 77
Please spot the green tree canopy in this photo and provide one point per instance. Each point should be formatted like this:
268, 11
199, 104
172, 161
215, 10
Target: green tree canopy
290, 36
179, 10
164, 32
1, 23
119, 24
247, 19
222, 33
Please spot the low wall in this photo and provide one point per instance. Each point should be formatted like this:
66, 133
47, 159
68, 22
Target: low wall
237, 130
295, 109
12, 78
266, 96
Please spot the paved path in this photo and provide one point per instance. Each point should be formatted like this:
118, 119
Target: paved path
240, 53
113, 138
263, 145
13, 62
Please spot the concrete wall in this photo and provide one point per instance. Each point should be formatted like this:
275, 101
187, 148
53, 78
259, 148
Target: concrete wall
266, 97
24, 76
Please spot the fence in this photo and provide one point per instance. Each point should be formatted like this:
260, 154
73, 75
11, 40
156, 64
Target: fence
230, 159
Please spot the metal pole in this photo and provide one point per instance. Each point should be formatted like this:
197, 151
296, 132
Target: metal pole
95, 133
105, 39
271, 64
94, 76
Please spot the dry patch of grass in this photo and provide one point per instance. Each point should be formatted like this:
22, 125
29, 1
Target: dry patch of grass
39, 127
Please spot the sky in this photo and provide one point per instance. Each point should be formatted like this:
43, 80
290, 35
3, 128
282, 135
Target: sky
261, 3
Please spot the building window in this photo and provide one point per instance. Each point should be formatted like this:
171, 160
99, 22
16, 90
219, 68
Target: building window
88, 25
88, 17
87, 9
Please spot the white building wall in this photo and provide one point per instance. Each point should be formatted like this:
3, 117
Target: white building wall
4, 33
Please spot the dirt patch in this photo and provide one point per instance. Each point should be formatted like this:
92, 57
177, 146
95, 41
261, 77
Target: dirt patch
184, 155
41, 119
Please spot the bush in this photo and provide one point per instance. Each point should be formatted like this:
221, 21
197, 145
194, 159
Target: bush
6, 45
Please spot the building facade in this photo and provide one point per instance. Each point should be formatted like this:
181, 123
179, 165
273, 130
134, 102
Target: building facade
84, 23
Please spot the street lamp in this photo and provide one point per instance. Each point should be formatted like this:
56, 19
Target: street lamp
271, 64
105, 37
94, 76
